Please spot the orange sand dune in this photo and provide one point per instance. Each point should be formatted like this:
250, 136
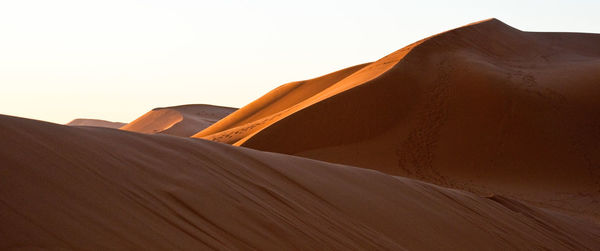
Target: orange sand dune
484, 107
98, 189
184, 120
95, 122
265, 110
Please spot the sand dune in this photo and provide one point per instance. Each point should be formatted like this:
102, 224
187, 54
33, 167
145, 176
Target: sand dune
96, 189
484, 107
184, 120
271, 106
95, 122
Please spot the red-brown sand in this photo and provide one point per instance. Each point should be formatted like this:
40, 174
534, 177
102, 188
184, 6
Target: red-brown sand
95, 122
184, 120
484, 107
93, 188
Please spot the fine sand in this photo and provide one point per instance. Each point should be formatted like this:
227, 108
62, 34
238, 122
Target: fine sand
93, 188
184, 120
95, 122
485, 108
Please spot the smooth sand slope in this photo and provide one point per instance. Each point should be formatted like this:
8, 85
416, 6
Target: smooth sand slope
270, 107
93, 188
484, 107
95, 122
183, 120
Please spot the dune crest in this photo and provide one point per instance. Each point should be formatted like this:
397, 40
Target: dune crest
484, 107
183, 120
94, 188
261, 113
271, 106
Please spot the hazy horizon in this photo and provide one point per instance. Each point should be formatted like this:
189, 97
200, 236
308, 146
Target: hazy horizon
115, 60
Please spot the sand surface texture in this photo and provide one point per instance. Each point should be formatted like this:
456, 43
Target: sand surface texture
90, 188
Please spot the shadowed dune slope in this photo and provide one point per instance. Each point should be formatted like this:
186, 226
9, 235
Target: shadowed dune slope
95, 122
95, 189
184, 120
484, 107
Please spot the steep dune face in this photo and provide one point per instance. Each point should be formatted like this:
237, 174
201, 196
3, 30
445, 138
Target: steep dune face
184, 120
293, 97
95, 122
484, 107
331, 85
93, 188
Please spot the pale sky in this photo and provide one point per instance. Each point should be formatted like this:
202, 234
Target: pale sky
116, 60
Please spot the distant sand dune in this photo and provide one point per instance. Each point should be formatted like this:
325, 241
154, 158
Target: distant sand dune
95, 122
97, 189
484, 107
184, 120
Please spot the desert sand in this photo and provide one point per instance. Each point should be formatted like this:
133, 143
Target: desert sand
183, 120
95, 189
95, 122
483, 137
485, 108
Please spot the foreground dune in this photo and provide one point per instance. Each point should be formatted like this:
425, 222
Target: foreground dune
94, 188
484, 107
183, 120
95, 122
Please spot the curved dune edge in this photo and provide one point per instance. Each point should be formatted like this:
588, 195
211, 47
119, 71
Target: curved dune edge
485, 108
251, 119
183, 120
93, 188
271, 106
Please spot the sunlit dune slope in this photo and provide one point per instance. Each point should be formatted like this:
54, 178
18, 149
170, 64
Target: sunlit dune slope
292, 97
97, 189
271, 107
483, 107
184, 120
95, 122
